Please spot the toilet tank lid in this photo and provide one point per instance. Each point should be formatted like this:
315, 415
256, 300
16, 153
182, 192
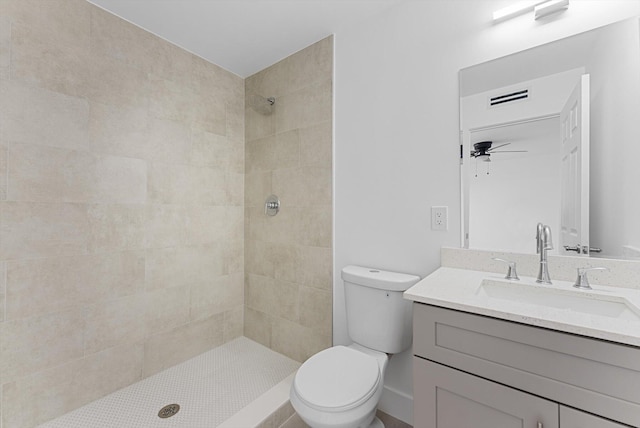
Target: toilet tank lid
376, 278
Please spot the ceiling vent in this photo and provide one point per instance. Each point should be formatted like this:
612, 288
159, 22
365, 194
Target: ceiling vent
510, 97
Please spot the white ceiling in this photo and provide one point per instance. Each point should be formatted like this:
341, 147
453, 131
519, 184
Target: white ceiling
244, 36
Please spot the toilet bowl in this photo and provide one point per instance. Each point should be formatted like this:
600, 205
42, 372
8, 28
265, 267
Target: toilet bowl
339, 387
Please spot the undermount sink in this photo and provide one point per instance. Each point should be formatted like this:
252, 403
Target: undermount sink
585, 302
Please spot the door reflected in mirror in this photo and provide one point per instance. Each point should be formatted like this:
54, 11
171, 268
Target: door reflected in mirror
551, 135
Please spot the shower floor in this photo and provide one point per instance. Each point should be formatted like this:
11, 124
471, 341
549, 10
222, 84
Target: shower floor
210, 389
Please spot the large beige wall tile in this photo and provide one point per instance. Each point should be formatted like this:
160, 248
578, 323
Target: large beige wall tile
258, 125
166, 309
210, 113
116, 38
232, 253
313, 308
115, 227
120, 131
234, 323
37, 59
5, 47
40, 286
207, 77
308, 106
165, 225
33, 344
316, 226
296, 341
3, 292
115, 83
317, 267
316, 148
183, 266
178, 102
257, 326
270, 82
38, 116
274, 260
186, 184
216, 151
273, 152
39, 173
169, 141
65, 22
35, 399
29, 229
275, 297
287, 184
35, 229
235, 122
169, 348
217, 295
3, 171
114, 322
210, 224
257, 187
310, 65
283, 228
304, 187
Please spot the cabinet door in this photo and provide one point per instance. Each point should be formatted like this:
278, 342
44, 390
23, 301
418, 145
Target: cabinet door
448, 398
572, 418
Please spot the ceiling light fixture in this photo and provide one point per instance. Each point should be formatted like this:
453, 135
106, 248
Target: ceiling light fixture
540, 9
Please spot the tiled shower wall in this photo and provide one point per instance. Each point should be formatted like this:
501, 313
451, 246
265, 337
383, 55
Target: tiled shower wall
121, 206
288, 257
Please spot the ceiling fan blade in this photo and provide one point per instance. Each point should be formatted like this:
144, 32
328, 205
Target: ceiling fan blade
496, 147
511, 151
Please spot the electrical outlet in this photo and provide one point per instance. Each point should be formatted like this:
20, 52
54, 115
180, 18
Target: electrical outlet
439, 218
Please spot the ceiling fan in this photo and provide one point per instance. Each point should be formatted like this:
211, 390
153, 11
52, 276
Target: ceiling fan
484, 149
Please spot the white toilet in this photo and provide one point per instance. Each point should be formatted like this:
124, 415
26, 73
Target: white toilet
341, 386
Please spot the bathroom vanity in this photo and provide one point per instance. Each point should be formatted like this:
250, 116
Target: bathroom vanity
495, 353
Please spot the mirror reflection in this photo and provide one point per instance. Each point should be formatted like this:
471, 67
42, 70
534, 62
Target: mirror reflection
551, 135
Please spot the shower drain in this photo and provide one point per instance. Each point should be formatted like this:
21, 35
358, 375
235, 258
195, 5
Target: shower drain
168, 411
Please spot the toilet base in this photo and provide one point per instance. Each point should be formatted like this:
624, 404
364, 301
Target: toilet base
376, 423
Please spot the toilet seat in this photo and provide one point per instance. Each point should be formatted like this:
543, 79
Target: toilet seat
337, 379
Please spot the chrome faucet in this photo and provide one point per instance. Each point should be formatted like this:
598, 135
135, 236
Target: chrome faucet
544, 243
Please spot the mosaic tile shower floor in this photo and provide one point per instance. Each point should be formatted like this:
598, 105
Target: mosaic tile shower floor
209, 388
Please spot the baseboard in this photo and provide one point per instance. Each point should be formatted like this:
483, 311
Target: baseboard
397, 404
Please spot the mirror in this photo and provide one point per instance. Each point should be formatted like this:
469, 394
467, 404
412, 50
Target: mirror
517, 114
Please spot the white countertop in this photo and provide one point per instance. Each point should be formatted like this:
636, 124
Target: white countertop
461, 289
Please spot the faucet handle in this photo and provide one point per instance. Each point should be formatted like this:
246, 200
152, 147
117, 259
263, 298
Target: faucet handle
511, 272
582, 281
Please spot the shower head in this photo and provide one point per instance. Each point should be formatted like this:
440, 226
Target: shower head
261, 104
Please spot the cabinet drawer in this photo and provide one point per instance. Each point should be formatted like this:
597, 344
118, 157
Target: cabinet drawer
585, 373
448, 398
572, 418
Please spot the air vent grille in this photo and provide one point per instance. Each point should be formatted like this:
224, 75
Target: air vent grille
510, 97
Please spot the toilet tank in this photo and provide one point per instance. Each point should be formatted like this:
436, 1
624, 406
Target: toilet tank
377, 315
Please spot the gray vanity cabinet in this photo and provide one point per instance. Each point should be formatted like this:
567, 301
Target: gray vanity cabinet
478, 371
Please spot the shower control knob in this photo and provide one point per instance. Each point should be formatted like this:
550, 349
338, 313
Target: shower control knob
271, 206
